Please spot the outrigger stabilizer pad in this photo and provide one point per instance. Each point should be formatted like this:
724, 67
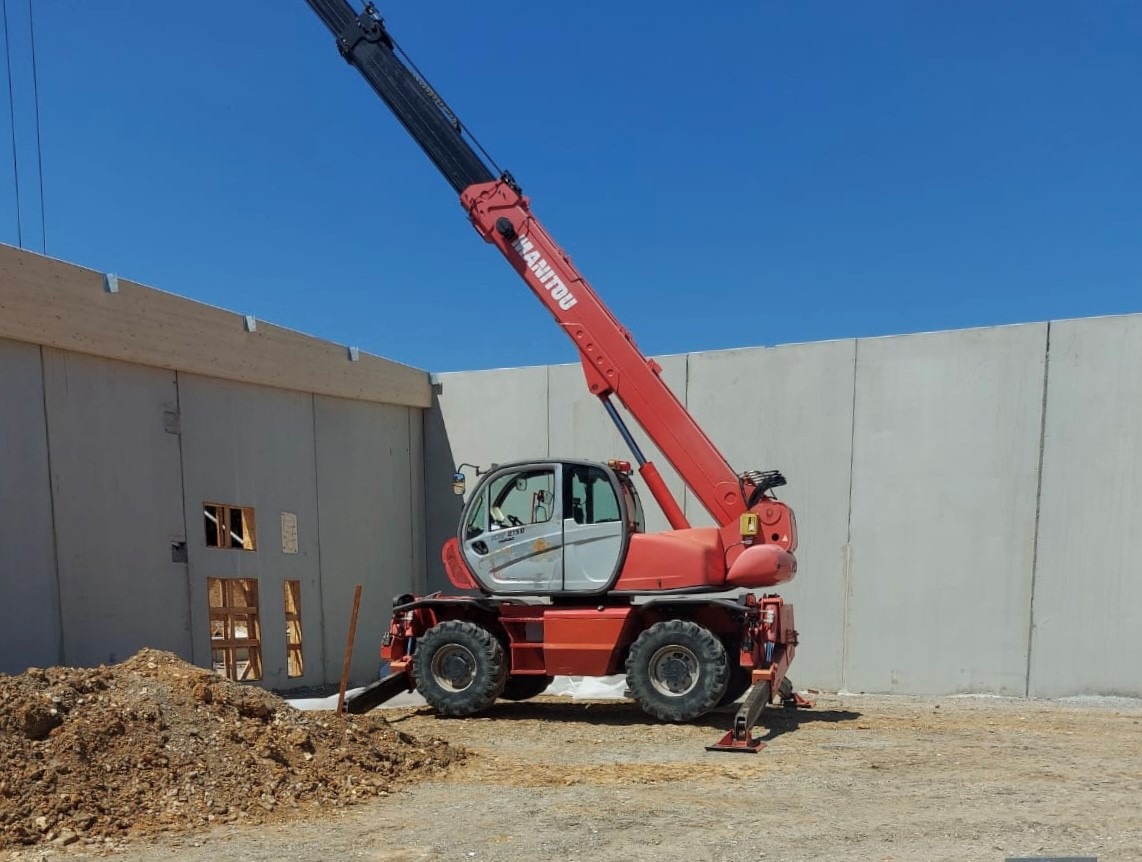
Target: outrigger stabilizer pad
741, 739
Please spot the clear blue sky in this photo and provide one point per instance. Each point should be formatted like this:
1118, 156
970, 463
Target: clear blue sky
725, 174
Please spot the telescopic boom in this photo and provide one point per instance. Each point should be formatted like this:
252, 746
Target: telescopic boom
612, 362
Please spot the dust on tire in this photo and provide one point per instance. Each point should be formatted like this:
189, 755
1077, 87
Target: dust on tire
704, 684
467, 642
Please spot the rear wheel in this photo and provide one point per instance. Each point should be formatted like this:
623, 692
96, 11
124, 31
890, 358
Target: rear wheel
459, 667
525, 687
677, 670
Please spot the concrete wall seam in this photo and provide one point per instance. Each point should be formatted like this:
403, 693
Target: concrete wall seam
1038, 506
185, 539
848, 554
686, 492
547, 411
416, 479
52, 499
326, 654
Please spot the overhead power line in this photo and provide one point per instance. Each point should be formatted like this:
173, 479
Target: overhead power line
12, 116
39, 148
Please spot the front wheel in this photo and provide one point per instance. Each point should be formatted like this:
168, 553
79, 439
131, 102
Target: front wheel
459, 667
677, 670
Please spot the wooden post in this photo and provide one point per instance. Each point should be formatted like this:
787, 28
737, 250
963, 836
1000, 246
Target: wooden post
349, 650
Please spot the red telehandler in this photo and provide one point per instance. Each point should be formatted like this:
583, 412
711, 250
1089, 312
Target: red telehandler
566, 580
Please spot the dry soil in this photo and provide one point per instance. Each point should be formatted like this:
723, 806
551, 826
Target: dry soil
155, 745
866, 778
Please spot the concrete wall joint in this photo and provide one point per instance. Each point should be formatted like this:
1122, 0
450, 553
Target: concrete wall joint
1038, 506
197, 659
848, 551
52, 498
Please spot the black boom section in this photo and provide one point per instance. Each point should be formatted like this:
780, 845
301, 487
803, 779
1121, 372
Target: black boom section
364, 42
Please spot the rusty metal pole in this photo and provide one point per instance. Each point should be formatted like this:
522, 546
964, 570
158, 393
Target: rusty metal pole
349, 651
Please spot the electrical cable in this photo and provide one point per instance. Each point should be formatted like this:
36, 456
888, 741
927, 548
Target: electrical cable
12, 115
39, 149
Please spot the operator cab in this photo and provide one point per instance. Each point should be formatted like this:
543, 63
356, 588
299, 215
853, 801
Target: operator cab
550, 527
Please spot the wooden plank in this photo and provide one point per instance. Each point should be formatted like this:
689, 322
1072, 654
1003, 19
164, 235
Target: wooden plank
234, 643
48, 302
349, 650
249, 529
295, 661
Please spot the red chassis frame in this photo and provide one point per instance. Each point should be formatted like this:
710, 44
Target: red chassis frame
555, 640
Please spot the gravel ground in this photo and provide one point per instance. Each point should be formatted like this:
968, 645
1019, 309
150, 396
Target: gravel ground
868, 778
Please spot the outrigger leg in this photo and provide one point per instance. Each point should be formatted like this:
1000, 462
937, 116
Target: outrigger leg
741, 738
374, 694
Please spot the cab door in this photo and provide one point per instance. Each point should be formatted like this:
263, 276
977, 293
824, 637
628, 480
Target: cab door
513, 536
594, 528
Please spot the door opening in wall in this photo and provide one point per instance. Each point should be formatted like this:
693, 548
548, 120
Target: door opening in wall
235, 628
229, 526
295, 665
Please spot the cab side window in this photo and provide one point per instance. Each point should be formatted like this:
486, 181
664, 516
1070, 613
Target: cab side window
589, 497
524, 497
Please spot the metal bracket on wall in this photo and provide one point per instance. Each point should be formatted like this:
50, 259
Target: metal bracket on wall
111, 282
178, 551
354, 354
251, 323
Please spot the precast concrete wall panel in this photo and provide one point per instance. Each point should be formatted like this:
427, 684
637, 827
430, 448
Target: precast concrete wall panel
112, 431
945, 466
791, 408
29, 599
245, 445
368, 491
1088, 575
477, 418
580, 428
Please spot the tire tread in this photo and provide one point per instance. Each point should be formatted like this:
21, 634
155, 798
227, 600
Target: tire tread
491, 673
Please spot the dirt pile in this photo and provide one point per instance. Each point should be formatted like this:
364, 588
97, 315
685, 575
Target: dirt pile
155, 744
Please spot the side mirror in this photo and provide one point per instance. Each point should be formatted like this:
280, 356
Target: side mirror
459, 483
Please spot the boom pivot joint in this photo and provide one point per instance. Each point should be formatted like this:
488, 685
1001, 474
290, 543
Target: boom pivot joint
366, 27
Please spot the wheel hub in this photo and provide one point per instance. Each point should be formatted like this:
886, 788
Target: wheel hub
674, 670
454, 667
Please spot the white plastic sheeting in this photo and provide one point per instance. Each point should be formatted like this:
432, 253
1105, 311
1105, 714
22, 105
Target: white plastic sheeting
589, 687
574, 687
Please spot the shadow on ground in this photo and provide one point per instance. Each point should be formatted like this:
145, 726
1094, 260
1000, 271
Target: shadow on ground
775, 720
